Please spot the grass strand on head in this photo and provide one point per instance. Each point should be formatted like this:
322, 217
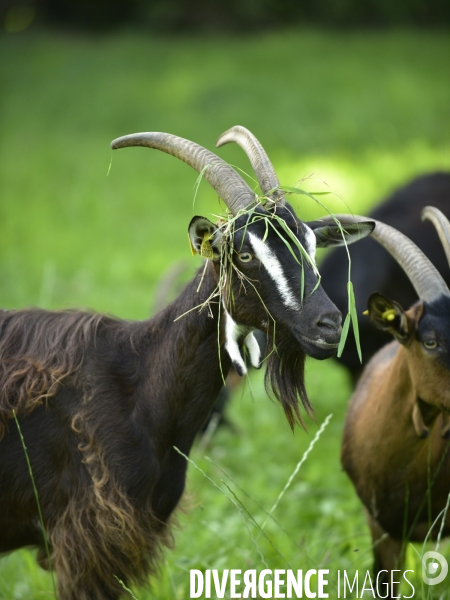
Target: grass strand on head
198, 182
352, 316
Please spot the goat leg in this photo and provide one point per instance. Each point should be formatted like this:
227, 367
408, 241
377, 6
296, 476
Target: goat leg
389, 555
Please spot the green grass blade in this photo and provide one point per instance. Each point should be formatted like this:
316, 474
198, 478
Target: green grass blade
271, 191
293, 238
110, 165
266, 233
295, 190
249, 214
36, 495
126, 589
344, 335
319, 279
235, 504
302, 283
297, 468
255, 523
354, 317
197, 183
320, 193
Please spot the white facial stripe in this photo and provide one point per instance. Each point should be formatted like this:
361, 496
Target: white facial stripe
273, 267
310, 242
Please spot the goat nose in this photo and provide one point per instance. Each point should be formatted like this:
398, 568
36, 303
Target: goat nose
331, 320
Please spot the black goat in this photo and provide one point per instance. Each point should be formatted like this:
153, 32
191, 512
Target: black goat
375, 269
102, 402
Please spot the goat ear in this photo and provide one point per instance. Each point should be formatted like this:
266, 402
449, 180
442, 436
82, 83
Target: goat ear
389, 316
205, 238
333, 235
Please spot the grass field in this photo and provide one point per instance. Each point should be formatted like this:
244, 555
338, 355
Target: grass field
357, 113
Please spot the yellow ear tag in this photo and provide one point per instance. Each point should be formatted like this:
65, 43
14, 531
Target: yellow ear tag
206, 249
193, 250
366, 312
389, 315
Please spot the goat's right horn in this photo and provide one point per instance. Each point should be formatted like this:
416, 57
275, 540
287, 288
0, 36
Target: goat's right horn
228, 184
424, 276
265, 173
442, 225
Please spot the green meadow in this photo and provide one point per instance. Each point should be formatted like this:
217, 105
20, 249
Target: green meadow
353, 113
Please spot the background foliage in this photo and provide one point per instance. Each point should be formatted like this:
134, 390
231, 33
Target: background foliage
229, 15
357, 113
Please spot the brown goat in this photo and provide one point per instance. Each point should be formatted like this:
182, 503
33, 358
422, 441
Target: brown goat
102, 403
395, 446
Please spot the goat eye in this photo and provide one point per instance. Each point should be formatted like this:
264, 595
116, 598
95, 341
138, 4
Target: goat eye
430, 344
245, 257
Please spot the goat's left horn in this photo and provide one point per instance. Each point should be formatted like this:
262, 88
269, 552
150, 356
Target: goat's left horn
228, 184
425, 278
264, 171
442, 225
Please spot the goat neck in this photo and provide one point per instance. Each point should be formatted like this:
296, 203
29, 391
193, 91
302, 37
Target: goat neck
186, 356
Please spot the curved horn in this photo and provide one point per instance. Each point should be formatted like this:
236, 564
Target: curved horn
442, 225
229, 185
265, 173
424, 276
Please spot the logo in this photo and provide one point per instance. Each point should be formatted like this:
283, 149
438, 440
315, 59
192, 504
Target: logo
434, 568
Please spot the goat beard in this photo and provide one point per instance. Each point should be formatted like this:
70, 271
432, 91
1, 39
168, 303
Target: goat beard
285, 376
